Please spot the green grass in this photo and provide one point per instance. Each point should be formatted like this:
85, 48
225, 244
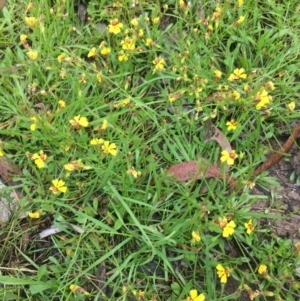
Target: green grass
130, 224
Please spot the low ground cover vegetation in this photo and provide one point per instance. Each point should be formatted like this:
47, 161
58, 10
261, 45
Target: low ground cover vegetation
98, 100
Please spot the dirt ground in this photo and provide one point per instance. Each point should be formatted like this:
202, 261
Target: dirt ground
285, 200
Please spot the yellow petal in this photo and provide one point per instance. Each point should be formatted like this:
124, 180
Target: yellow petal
193, 294
224, 278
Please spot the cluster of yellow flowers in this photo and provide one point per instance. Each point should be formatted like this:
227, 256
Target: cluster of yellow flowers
39, 159
77, 122
32, 23
223, 273
262, 99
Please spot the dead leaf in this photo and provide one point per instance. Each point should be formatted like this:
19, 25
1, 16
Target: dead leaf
2, 3
194, 170
81, 13
201, 13
42, 108
8, 169
213, 133
101, 279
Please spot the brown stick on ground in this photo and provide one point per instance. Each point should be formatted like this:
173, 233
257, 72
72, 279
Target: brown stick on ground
275, 158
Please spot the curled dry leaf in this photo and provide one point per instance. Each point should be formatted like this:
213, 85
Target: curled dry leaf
56, 229
213, 133
41, 106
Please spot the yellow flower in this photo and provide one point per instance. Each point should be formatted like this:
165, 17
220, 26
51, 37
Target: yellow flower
92, 52
78, 289
135, 22
109, 148
99, 77
63, 73
236, 95
159, 64
270, 86
31, 21
174, 96
69, 167
229, 229
250, 184
61, 57
23, 38
240, 3
74, 165
141, 33
128, 44
123, 103
249, 226
105, 50
218, 74
291, 106
39, 159
237, 74
223, 273
195, 297
155, 20
61, 104
232, 125
82, 79
1, 152
78, 122
263, 98
36, 214
181, 4
297, 247
246, 88
133, 172
32, 54
58, 186
196, 237
228, 157
122, 56
148, 42
34, 121
240, 20
217, 13
262, 269
104, 125
115, 26
96, 141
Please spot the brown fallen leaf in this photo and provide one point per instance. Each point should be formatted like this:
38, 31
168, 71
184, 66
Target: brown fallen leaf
41, 106
101, 279
194, 170
2, 3
8, 169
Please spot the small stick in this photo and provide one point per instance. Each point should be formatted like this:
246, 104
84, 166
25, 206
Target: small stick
275, 158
